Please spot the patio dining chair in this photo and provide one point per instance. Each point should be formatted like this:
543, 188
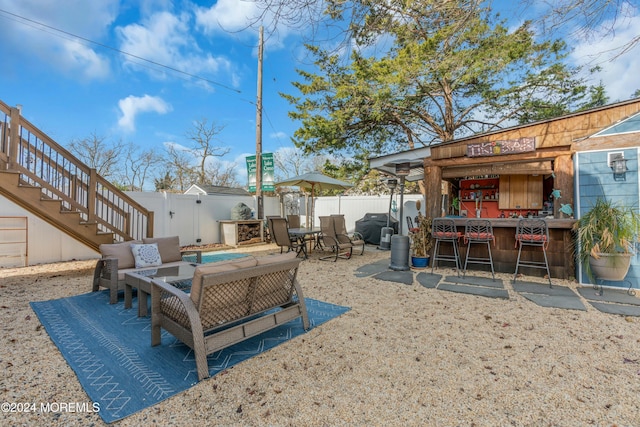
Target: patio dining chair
281, 237
340, 226
294, 221
268, 228
339, 244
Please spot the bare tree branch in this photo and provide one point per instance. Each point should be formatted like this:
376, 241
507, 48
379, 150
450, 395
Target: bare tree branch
203, 136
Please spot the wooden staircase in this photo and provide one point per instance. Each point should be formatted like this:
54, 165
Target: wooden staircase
42, 177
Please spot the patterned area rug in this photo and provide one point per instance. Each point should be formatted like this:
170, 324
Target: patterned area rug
109, 349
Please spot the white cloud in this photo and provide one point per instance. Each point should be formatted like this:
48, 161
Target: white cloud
278, 135
165, 38
240, 19
90, 64
131, 106
22, 34
619, 73
227, 15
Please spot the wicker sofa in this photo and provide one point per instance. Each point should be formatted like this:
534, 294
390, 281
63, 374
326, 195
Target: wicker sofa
230, 301
118, 259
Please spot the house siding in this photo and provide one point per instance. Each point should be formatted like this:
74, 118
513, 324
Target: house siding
594, 178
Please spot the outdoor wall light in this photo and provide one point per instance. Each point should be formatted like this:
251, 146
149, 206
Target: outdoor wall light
619, 168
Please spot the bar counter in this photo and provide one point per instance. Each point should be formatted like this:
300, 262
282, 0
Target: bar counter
505, 251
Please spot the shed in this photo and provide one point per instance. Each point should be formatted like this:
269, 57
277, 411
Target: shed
534, 169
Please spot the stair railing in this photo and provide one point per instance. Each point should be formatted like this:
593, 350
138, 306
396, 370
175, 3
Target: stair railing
43, 163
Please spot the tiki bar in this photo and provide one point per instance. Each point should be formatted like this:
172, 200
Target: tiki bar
525, 171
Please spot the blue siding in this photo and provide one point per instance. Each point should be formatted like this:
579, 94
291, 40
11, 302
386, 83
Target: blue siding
594, 178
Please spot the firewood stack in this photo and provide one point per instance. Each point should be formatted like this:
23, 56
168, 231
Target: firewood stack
249, 233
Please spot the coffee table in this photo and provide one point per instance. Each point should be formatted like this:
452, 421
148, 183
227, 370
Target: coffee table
179, 276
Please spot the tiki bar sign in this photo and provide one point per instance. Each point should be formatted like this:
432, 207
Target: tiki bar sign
506, 146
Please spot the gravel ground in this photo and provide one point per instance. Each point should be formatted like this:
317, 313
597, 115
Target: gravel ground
404, 355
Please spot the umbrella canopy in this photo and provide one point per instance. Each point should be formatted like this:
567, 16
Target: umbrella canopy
315, 181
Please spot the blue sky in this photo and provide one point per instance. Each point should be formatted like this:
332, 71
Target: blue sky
71, 88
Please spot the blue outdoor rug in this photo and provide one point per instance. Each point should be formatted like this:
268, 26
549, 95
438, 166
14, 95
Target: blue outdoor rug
109, 349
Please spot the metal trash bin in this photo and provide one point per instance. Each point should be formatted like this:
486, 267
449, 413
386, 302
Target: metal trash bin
399, 253
385, 238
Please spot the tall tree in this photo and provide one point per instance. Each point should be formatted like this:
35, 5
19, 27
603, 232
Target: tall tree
203, 136
220, 173
450, 70
588, 19
98, 153
164, 182
179, 162
139, 166
292, 161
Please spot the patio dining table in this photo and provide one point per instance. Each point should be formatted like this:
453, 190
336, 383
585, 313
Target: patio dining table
301, 234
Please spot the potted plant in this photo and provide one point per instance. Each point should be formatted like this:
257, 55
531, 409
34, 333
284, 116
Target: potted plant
606, 237
421, 242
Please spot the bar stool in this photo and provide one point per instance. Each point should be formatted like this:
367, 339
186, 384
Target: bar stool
532, 232
410, 226
479, 231
443, 230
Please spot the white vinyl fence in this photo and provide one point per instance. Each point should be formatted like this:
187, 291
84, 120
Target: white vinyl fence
182, 215
195, 218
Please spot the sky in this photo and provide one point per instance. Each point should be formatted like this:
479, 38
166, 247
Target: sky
72, 88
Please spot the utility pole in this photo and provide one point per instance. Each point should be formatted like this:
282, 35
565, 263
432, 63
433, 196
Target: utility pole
259, 132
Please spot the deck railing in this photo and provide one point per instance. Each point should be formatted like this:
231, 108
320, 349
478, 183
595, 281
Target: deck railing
43, 163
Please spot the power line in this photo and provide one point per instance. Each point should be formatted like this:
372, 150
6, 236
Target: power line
66, 33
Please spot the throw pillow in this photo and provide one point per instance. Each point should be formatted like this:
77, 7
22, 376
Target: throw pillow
146, 255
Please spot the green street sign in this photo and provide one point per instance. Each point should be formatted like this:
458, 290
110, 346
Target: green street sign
267, 172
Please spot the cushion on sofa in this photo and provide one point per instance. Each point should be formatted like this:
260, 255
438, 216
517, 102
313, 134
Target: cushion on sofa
146, 255
169, 247
217, 267
121, 251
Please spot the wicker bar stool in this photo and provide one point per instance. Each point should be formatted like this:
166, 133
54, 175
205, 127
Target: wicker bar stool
443, 230
479, 231
532, 232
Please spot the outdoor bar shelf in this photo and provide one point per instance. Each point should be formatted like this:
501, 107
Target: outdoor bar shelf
559, 251
561, 223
